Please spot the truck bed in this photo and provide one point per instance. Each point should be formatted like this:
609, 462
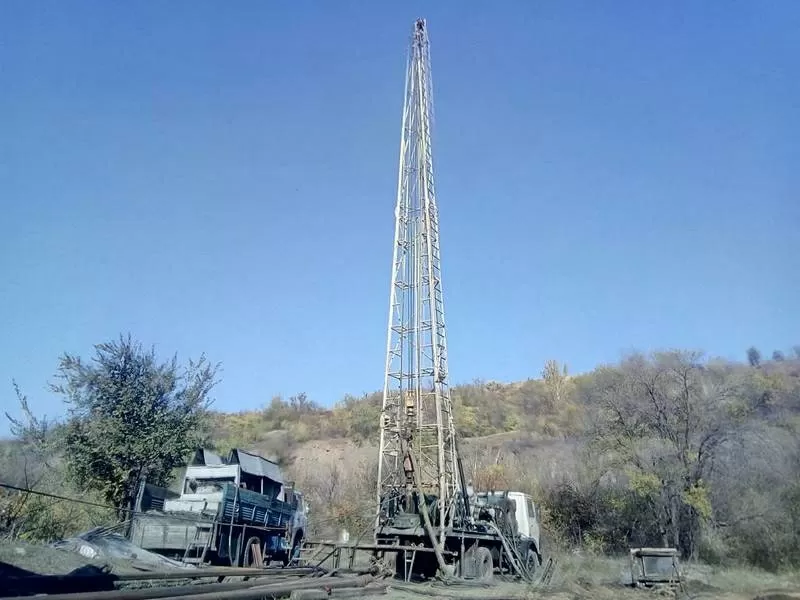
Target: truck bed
161, 532
251, 508
173, 531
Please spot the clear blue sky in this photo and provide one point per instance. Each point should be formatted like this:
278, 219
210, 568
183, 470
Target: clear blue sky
220, 177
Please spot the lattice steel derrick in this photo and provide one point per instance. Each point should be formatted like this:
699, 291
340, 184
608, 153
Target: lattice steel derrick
416, 400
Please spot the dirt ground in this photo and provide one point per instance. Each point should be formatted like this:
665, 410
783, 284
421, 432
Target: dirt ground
602, 578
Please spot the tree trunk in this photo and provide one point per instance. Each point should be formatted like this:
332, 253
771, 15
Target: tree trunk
676, 522
665, 515
694, 534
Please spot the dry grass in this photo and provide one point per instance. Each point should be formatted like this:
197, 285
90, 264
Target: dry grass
740, 580
592, 577
589, 576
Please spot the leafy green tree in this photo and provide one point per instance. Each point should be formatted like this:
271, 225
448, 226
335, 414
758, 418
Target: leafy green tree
130, 417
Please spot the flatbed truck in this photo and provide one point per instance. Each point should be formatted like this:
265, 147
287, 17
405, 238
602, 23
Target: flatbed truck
238, 512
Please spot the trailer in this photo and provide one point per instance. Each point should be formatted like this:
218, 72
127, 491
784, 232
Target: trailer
237, 511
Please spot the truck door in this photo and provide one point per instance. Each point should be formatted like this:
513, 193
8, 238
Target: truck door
533, 519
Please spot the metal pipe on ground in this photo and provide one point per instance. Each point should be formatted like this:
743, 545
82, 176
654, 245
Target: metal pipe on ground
370, 590
174, 574
218, 572
213, 590
282, 589
65, 585
152, 593
354, 571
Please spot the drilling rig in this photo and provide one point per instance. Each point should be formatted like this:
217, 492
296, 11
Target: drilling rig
425, 512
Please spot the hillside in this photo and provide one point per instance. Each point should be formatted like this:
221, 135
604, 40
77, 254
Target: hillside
508, 417
609, 453
669, 448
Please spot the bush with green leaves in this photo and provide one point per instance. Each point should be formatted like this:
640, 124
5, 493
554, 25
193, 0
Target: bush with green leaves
130, 417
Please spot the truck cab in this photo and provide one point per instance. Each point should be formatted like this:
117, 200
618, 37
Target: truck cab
203, 487
523, 526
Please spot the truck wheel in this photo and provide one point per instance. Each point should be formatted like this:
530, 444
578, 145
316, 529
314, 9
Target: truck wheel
531, 561
249, 556
484, 566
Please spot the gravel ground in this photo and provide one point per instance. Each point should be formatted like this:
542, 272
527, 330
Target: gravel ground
20, 559
40, 559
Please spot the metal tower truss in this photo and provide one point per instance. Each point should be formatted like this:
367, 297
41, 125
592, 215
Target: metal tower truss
417, 412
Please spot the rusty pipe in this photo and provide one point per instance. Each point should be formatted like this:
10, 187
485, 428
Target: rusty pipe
259, 591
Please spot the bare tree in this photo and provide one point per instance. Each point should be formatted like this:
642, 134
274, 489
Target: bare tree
555, 378
28, 464
664, 420
341, 494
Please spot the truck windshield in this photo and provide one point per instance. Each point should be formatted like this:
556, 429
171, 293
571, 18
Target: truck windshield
531, 509
206, 486
492, 499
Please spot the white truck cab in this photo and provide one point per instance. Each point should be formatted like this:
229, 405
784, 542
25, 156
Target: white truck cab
202, 488
527, 520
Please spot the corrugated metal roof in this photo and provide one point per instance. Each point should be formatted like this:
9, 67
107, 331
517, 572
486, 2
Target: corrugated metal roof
212, 458
256, 465
206, 457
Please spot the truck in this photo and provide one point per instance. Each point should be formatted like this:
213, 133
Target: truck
237, 511
523, 528
490, 531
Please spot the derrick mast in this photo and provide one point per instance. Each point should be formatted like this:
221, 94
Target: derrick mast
416, 416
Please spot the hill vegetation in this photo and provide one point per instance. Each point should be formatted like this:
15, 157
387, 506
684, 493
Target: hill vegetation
669, 448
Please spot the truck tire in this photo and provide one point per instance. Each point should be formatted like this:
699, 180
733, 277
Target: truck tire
249, 558
531, 561
484, 565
